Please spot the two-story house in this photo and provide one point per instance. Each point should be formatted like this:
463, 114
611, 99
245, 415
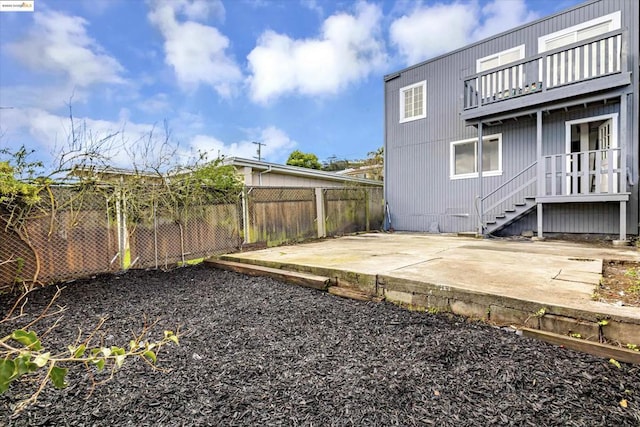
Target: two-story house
535, 128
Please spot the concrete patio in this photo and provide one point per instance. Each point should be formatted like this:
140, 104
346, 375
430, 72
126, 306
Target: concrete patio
543, 285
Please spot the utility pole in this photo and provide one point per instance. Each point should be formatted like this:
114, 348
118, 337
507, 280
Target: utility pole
259, 150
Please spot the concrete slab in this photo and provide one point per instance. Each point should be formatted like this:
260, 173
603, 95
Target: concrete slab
520, 275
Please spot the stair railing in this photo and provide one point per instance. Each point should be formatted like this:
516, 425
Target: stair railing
505, 196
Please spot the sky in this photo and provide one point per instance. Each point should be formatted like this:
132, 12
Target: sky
218, 75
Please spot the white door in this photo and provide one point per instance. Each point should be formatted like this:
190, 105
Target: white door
605, 143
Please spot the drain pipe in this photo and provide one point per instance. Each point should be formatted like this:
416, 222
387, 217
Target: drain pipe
262, 173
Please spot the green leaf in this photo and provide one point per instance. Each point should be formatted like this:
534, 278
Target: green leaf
42, 359
99, 364
169, 335
24, 365
7, 373
28, 339
79, 352
615, 363
57, 376
133, 345
150, 355
120, 360
106, 351
117, 351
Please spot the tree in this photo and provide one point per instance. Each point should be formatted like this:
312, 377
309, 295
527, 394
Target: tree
304, 160
375, 157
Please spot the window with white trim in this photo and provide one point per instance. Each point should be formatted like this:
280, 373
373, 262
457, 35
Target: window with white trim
579, 32
464, 157
500, 58
413, 102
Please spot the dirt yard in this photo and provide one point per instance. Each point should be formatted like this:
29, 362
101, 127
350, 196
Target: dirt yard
254, 351
620, 283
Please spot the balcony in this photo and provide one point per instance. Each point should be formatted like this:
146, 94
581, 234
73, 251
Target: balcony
585, 176
578, 69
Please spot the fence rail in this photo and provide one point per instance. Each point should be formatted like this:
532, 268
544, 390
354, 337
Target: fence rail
95, 232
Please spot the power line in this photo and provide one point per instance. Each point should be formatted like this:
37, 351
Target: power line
259, 150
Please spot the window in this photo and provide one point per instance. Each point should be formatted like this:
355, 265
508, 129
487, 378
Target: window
413, 103
464, 157
500, 58
579, 32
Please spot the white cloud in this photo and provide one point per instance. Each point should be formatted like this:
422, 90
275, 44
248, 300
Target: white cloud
431, 30
277, 145
53, 134
428, 31
59, 43
49, 97
501, 15
197, 52
155, 104
349, 48
313, 6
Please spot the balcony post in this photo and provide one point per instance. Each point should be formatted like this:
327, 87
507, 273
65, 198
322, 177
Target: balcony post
479, 160
541, 178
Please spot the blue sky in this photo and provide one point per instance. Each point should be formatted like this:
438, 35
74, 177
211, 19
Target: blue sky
292, 74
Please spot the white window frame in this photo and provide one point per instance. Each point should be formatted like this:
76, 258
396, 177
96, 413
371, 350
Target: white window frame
452, 158
519, 49
614, 17
404, 119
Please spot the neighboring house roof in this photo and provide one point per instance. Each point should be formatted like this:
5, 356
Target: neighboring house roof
376, 171
109, 173
298, 171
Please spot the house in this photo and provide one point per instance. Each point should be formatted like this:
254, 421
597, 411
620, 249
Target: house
374, 172
253, 173
257, 173
534, 129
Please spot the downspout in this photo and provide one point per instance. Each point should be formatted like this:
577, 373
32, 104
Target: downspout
260, 175
386, 222
480, 189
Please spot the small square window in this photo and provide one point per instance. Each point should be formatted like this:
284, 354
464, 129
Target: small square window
464, 157
413, 102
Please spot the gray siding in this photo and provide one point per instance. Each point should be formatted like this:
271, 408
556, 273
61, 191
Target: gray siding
417, 184
578, 218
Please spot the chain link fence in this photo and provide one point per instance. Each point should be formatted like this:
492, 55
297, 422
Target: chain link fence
69, 234
75, 233
196, 233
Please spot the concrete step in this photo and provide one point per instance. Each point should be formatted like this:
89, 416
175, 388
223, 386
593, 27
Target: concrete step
303, 279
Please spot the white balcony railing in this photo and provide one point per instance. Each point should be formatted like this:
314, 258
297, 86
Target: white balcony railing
588, 59
584, 173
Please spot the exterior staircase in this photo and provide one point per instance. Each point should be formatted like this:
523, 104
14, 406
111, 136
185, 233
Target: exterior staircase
510, 201
503, 219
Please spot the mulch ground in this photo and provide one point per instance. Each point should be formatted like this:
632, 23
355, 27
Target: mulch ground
254, 351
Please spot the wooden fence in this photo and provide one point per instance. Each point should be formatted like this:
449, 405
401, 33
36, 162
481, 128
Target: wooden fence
92, 234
